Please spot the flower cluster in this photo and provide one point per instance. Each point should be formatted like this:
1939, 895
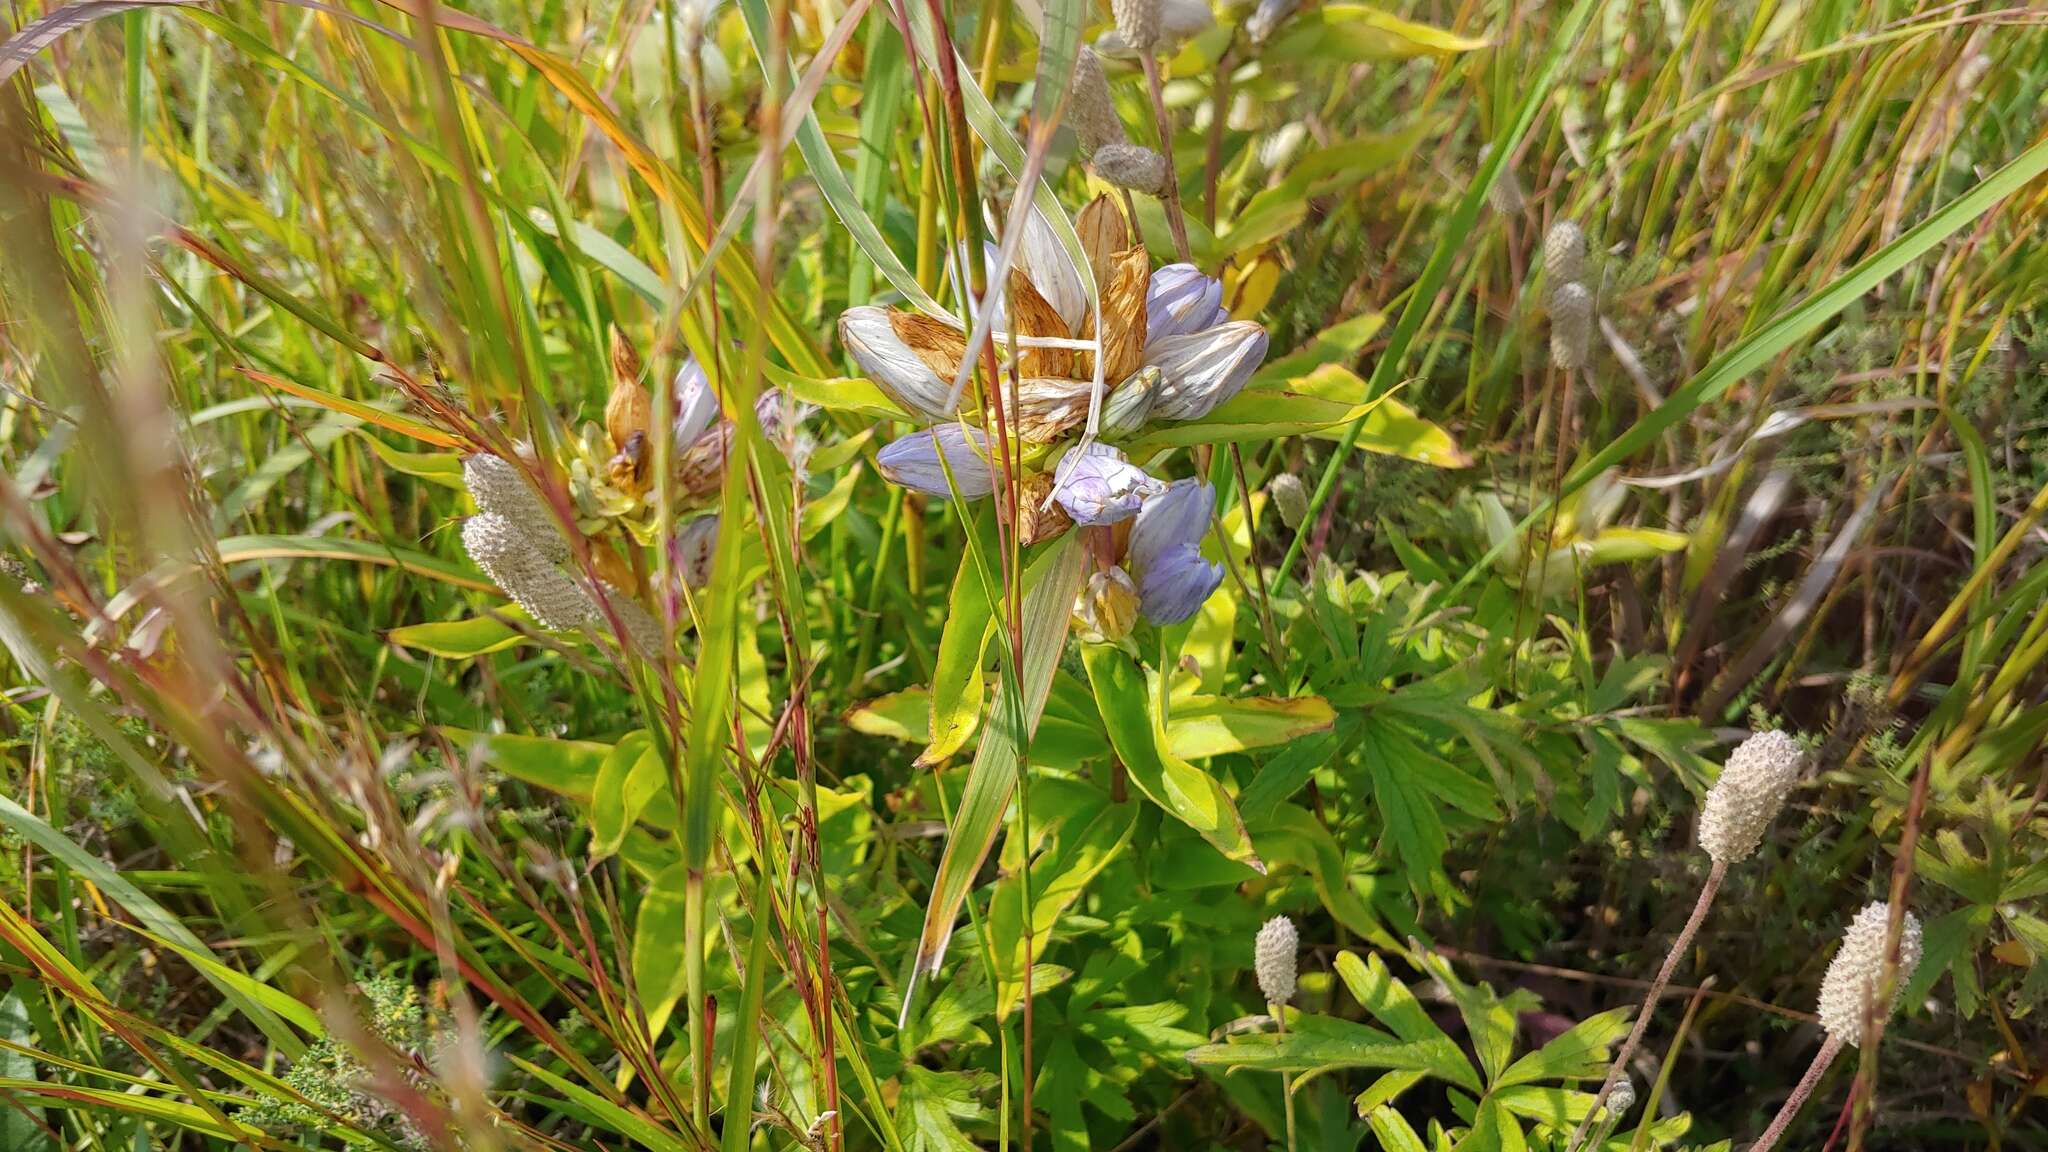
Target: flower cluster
1273, 959
1747, 796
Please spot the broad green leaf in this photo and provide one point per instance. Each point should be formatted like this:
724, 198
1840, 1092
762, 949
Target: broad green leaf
631, 776
1288, 835
658, 946
1349, 32
464, 639
1203, 726
1314, 1043
1393, 1132
904, 716
1130, 712
1058, 878
568, 767
933, 1104
1622, 545
443, 468
957, 685
840, 394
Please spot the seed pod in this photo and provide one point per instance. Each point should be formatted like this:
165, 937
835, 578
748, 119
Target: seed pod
498, 488
1564, 254
1138, 23
1090, 109
1273, 959
1571, 326
1132, 166
1747, 796
1851, 985
525, 573
1290, 496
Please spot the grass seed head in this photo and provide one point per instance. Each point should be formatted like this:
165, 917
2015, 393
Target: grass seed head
1854, 975
1747, 796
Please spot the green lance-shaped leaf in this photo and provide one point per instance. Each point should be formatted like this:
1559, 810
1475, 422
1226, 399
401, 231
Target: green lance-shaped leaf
1050, 585
1130, 713
957, 693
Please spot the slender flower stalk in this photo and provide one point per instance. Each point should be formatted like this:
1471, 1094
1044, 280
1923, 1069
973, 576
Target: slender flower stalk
1742, 803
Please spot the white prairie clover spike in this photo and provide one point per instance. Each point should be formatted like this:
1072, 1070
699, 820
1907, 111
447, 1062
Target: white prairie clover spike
1571, 326
498, 488
525, 573
1273, 959
1131, 166
1564, 254
1747, 796
1851, 984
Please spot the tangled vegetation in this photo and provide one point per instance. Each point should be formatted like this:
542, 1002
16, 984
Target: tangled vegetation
942, 575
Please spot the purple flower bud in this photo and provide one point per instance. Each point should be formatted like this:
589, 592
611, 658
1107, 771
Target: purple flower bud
913, 462
1098, 485
1174, 586
1180, 300
1165, 552
696, 404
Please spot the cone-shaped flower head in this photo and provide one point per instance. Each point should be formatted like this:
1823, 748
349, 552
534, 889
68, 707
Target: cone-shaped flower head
498, 488
1622, 1098
1203, 369
1746, 798
1089, 108
1852, 983
1290, 496
527, 574
1564, 254
1108, 606
1571, 326
1180, 301
1098, 485
1131, 166
914, 461
1274, 958
1165, 552
696, 404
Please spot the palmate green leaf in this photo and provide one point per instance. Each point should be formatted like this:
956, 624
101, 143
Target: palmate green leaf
1579, 1054
1130, 713
1393, 1132
1292, 836
933, 1103
1086, 843
1314, 1043
1349, 32
1050, 584
1493, 1130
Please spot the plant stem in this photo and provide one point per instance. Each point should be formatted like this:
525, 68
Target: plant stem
1174, 218
1794, 1102
1650, 998
1279, 1012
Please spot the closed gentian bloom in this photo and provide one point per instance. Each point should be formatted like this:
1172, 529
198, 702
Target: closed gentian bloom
696, 404
913, 461
1165, 552
1203, 369
898, 351
1098, 485
1174, 586
1180, 301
